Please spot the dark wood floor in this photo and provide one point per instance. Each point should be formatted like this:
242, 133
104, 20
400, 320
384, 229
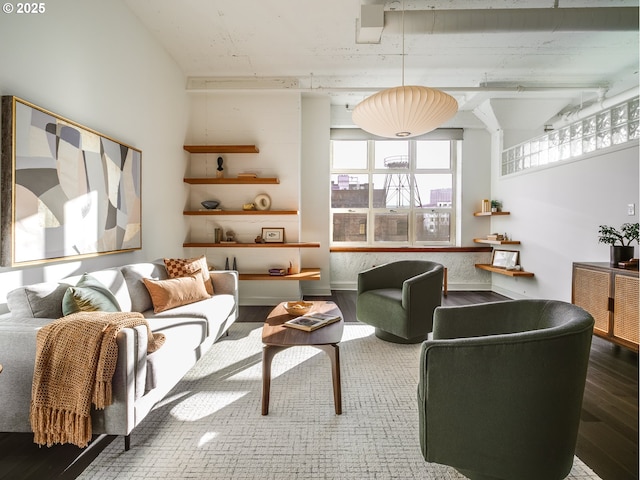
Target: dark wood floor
607, 440
608, 435
346, 301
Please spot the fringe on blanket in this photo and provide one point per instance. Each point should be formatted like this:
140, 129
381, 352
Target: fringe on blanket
60, 426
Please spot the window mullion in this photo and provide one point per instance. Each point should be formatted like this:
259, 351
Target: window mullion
412, 197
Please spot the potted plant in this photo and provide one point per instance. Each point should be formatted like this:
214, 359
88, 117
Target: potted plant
496, 205
619, 241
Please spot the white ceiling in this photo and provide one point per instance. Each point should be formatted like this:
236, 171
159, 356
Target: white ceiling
553, 53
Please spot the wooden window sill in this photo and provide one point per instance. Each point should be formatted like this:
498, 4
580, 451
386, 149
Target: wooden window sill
410, 249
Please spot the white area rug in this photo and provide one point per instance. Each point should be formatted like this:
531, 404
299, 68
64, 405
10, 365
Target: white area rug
210, 426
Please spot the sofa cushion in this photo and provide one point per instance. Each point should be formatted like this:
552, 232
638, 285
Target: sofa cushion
89, 295
183, 336
133, 275
174, 292
213, 311
183, 267
40, 300
113, 279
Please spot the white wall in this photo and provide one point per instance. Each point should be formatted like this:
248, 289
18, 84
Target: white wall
476, 184
555, 213
94, 63
315, 181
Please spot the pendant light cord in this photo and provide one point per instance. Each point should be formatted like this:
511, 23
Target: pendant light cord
403, 43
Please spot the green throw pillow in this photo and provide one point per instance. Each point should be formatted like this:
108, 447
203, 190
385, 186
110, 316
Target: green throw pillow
89, 295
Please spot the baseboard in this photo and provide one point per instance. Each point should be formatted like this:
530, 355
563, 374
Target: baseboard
508, 293
316, 292
344, 286
470, 287
262, 301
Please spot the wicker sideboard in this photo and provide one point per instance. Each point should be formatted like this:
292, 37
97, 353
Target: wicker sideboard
611, 295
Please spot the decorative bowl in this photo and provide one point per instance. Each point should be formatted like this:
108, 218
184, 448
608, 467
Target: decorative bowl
298, 307
210, 204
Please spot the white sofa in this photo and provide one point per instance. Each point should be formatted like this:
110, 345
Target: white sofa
140, 380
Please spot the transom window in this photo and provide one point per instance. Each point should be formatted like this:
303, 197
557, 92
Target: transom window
393, 192
614, 126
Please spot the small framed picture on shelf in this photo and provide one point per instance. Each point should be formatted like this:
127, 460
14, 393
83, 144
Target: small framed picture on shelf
505, 258
273, 235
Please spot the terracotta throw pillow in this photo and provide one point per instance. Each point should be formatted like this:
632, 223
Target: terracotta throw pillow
183, 267
174, 292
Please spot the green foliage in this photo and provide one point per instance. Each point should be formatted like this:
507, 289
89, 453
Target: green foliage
611, 236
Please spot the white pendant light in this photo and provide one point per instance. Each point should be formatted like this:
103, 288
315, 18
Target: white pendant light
405, 111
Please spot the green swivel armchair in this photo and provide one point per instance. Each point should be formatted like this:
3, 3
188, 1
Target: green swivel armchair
501, 386
399, 298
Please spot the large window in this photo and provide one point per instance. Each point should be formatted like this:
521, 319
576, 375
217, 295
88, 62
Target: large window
393, 192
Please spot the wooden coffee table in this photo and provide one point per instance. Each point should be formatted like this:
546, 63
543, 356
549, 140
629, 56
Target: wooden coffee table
276, 337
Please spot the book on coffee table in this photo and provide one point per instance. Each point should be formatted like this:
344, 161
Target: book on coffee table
312, 321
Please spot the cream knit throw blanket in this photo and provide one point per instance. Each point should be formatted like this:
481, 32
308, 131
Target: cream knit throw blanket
76, 358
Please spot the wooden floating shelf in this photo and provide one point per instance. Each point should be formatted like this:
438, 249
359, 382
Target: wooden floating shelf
305, 274
230, 181
503, 271
240, 212
496, 242
489, 214
221, 148
251, 245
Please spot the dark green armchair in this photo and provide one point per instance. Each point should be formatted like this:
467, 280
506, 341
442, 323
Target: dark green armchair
501, 386
399, 298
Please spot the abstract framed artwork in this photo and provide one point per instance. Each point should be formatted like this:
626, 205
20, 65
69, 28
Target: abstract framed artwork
67, 191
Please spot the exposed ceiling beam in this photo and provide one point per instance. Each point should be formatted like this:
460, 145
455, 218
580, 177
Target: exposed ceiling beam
312, 84
497, 4
611, 19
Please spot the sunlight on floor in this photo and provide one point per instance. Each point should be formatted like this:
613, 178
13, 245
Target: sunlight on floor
206, 438
170, 399
356, 333
203, 404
